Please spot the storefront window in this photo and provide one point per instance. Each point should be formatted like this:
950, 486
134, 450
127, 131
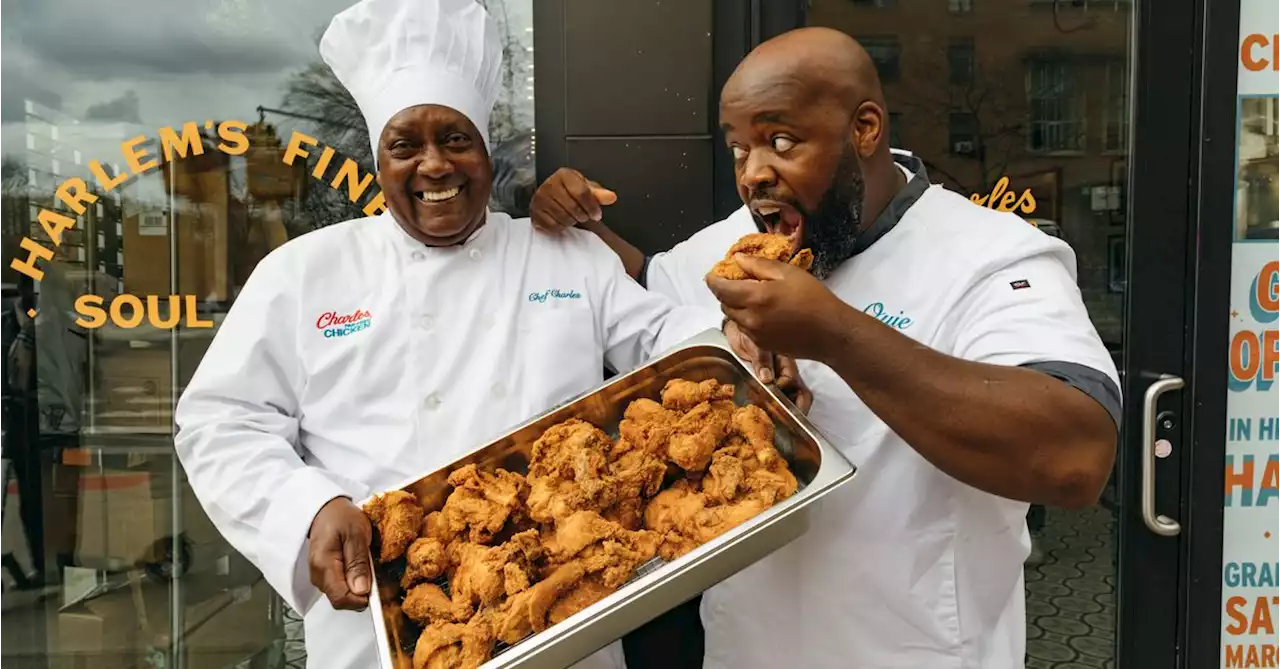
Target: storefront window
1001, 98
1249, 522
109, 560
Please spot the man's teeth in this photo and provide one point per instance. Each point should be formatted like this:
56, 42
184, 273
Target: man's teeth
767, 210
439, 196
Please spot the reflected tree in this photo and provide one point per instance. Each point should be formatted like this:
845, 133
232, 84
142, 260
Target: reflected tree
332, 115
986, 109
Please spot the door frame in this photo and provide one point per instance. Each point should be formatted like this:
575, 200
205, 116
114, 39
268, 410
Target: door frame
1200, 579
1179, 263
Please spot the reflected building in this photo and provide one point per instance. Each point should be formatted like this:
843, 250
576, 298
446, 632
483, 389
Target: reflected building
1045, 104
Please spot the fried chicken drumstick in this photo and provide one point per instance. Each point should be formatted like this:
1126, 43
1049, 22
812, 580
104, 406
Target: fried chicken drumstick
507, 556
761, 245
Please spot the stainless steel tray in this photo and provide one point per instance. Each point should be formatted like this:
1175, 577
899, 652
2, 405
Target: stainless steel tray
657, 586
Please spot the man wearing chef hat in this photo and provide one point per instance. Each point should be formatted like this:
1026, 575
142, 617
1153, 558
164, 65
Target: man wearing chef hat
949, 354
369, 352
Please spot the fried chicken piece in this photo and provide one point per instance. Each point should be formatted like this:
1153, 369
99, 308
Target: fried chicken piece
602, 546
683, 395
645, 425
686, 521
426, 560
724, 478
761, 245
455, 646
427, 603
567, 471
552, 498
698, 434
527, 612
588, 591
572, 450
398, 518
635, 477
480, 504
485, 574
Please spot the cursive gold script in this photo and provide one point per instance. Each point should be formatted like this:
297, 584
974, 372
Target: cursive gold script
1003, 199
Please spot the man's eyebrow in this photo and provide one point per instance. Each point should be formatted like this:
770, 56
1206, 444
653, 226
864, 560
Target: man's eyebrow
771, 117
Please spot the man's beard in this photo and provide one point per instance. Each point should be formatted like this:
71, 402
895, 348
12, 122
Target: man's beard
831, 231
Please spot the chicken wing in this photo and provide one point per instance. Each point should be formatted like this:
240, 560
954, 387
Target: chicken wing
398, 517
683, 395
760, 245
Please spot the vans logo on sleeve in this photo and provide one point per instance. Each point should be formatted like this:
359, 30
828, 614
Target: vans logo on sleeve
334, 324
554, 294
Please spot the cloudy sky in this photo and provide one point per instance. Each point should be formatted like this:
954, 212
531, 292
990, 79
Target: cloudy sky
136, 65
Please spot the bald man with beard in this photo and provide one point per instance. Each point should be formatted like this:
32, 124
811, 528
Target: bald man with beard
949, 355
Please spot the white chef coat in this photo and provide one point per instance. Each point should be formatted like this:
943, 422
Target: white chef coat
905, 567
356, 358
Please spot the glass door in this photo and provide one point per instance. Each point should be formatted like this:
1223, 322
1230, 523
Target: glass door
1232, 610
1085, 105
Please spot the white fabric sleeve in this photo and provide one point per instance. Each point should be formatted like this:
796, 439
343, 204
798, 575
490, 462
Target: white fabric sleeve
635, 324
681, 272
1027, 311
238, 435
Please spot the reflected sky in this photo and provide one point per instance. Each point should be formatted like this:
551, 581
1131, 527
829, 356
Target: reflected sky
127, 68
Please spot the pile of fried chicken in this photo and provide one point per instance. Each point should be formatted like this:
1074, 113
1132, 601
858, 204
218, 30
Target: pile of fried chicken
509, 555
761, 245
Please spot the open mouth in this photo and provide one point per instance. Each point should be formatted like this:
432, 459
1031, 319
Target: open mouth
780, 218
438, 196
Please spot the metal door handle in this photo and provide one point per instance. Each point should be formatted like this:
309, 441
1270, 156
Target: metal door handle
1161, 525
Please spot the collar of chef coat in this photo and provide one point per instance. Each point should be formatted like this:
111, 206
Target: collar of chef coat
917, 183
408, 245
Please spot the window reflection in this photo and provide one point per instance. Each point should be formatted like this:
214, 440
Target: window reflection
109, 559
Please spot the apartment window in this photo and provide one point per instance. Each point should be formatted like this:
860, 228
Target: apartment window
885, 52
1116, 129
960, 61
56, 167
1057, 107
962, 133
31, 177
31, 142
895, 130
960, 6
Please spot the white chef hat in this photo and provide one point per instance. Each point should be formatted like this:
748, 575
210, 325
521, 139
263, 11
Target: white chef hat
396, 54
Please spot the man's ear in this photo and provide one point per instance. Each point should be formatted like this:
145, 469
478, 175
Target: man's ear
869, 126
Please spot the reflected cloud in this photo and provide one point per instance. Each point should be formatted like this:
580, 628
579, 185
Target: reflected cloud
123, 108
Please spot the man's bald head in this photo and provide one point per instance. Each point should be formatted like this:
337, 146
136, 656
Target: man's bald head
829, 61
805, 118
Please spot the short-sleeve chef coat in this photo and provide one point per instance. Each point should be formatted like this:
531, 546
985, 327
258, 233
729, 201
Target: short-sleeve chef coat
376, 359
906, 567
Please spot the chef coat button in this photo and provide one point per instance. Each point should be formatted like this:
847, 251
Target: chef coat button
431, 402
426, 322
476, 254
418, 255
486, 321
498, 391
